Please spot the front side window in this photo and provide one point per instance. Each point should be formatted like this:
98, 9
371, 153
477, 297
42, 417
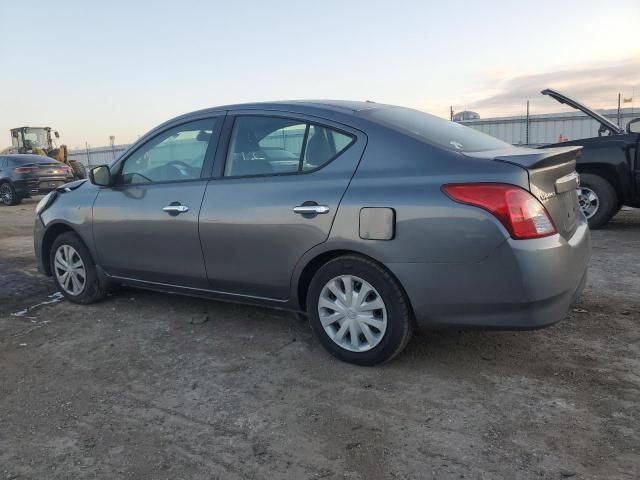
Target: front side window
270, 145
174, 155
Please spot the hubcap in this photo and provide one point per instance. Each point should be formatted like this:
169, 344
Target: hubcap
69, 270
5, 193
352, 313
588, 201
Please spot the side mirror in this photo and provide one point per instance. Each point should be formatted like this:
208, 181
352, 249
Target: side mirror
100, 176
55, 132
634, 126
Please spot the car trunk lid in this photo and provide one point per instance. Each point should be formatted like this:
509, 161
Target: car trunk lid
53, 169
552, 179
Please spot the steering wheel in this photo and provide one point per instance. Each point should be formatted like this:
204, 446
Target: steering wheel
140, 175
179, 163
602, 130
180, 166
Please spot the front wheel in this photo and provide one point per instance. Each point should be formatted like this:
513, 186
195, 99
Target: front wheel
74, 271
358, 311
598, 199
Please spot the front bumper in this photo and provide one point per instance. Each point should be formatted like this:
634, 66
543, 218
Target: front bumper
524, 284
38, 237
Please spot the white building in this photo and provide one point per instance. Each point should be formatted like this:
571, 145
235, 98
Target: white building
547, 128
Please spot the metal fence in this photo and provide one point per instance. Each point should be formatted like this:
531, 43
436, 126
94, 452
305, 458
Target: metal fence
547, 128
97, 156
543, 129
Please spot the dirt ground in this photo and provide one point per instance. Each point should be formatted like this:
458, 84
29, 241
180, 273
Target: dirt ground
148, 385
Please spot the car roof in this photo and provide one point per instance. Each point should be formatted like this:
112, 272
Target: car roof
342, 106
28, 158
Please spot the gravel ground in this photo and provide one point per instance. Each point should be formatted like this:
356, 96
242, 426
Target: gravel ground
149, 385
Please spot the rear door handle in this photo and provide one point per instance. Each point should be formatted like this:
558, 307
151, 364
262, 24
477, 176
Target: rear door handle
175, 209
311, 209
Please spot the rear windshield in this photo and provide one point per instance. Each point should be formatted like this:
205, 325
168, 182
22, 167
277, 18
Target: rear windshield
434, 130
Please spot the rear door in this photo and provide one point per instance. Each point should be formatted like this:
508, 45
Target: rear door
146, 225
279, 180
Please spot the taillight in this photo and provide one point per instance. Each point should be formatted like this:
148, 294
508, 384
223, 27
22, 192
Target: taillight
26, 169
521, 213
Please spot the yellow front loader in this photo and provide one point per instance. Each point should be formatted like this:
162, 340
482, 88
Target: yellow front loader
38, 141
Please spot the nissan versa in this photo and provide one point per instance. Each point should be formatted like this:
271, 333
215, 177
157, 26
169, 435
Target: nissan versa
367, 217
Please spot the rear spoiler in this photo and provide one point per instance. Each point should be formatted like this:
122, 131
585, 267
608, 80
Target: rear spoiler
530, 157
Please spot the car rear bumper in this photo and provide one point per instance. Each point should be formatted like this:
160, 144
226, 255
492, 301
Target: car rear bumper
524, 284
46, 184
26, 187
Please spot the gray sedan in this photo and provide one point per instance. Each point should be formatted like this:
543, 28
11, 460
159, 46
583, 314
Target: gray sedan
366, 217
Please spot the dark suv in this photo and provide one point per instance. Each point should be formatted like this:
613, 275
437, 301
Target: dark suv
609, 165
24, 175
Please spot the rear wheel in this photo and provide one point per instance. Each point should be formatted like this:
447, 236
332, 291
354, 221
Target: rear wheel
79, 170
358, 311
8, 195
74, 271
598, 199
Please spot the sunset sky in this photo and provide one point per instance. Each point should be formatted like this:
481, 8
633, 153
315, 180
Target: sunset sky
94, 69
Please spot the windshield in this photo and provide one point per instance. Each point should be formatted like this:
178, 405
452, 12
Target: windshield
434, 130
35, 138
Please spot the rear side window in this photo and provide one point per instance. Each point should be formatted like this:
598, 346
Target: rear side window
323, 144
272, 145
434, 130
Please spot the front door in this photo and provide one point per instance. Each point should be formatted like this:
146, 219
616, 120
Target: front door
146, 224
274, 199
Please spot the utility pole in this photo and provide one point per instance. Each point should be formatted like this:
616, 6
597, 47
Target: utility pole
112, 142
451, 113
526, 132
619, 95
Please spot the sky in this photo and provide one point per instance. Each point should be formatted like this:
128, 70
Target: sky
95, 69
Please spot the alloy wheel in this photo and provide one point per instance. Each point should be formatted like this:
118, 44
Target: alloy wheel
588, 201
6, 195
352, 313
70, 270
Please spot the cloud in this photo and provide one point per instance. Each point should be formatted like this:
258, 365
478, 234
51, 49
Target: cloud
595, 85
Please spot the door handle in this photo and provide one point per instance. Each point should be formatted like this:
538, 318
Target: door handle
175, 209
311, 209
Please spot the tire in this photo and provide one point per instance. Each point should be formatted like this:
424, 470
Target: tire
399, 318
79, 170
8, 195
92, 290
606, 197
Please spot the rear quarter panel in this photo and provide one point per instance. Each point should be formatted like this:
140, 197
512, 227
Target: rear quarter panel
406, 175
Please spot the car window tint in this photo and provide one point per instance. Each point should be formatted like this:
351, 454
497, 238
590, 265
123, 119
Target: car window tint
434, 130
323, 144
264, 145
270, 145
177, 154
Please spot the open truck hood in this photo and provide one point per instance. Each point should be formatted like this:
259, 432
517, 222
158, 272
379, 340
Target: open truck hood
606, 124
